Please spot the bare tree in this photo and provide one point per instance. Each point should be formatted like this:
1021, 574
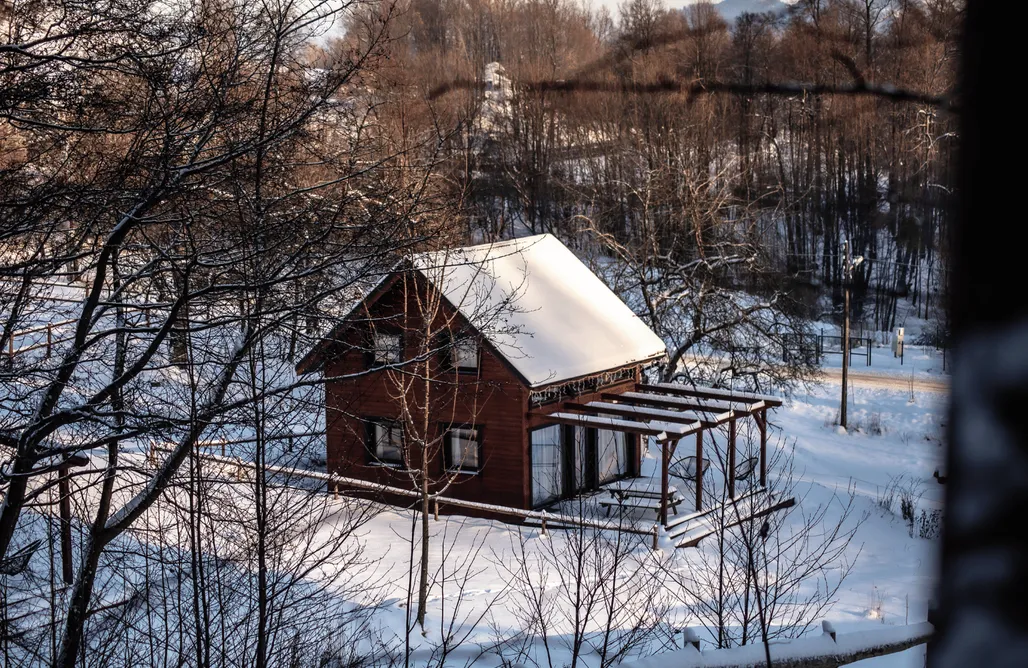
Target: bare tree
585, 592
751, 579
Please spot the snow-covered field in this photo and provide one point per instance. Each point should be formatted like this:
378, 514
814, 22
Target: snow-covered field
893, 572
487, 571
478, 602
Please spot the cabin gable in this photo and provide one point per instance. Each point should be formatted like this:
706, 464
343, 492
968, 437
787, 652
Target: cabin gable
492, 399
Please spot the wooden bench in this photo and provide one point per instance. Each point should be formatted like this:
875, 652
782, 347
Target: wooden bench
623, 497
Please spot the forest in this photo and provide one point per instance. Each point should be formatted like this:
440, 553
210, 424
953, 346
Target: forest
612, 124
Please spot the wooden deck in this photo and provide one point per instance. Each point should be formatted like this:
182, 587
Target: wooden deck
689, 530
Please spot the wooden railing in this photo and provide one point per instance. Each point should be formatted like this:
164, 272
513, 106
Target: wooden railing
336, 483
48, 344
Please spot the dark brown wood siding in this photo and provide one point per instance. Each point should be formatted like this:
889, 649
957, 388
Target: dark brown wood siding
494, 400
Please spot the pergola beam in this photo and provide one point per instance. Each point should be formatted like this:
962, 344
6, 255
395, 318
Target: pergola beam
711, 416
662, 430
686, 401
639, 412
701, 392
741, 404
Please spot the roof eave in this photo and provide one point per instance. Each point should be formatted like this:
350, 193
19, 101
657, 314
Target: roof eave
640, 362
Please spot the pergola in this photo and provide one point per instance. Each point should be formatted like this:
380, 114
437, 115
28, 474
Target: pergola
670, 412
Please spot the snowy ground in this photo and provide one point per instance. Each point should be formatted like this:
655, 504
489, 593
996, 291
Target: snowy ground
894, 573
892, 579
919, 362
890, 584
895, 431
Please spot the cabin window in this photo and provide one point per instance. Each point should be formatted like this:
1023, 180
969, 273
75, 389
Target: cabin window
385, 442
547, 465
612, 455
387, 348
463, 449
464, 355
580, 454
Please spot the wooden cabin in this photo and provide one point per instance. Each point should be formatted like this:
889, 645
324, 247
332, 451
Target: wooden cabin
462, 353
506, 374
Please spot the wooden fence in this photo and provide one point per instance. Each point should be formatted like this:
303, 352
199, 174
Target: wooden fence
48, 344
334, 483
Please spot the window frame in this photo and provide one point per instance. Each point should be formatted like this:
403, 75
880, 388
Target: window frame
448, 464
559, 461
371, 441
454, 343
372, 356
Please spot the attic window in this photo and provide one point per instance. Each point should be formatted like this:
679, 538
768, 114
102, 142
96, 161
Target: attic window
388, 349
464, 355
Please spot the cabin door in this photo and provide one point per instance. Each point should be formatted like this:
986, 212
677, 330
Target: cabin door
547, 465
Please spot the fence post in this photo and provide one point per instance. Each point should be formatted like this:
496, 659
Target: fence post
655, 525
335, 490
828, 629
690, 637
933, 619
64, 489
543, 523
435, 508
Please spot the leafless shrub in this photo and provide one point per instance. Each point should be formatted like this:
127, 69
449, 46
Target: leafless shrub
874, 424
875, 604
752, 580
929, 524
587, 592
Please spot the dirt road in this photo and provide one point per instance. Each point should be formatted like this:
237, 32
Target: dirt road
876, 380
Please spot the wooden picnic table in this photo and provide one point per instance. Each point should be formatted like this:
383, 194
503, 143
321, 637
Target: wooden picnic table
637, 493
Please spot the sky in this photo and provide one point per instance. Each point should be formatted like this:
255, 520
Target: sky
729, 8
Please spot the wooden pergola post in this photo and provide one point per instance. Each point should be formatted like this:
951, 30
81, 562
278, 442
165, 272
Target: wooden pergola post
664, 457
731, 458
762, 423
667, 449
699, 470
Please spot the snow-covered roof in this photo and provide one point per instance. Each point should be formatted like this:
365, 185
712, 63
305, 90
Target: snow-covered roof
541, 308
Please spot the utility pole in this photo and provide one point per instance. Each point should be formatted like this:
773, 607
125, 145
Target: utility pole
847, 279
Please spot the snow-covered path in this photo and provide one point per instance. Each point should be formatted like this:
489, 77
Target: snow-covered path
889, 381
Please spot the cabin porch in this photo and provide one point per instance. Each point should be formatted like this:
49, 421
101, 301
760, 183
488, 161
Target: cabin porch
700, 453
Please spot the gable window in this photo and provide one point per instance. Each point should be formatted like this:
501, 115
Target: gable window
464, 354
385, 442
387, 348
463, 449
